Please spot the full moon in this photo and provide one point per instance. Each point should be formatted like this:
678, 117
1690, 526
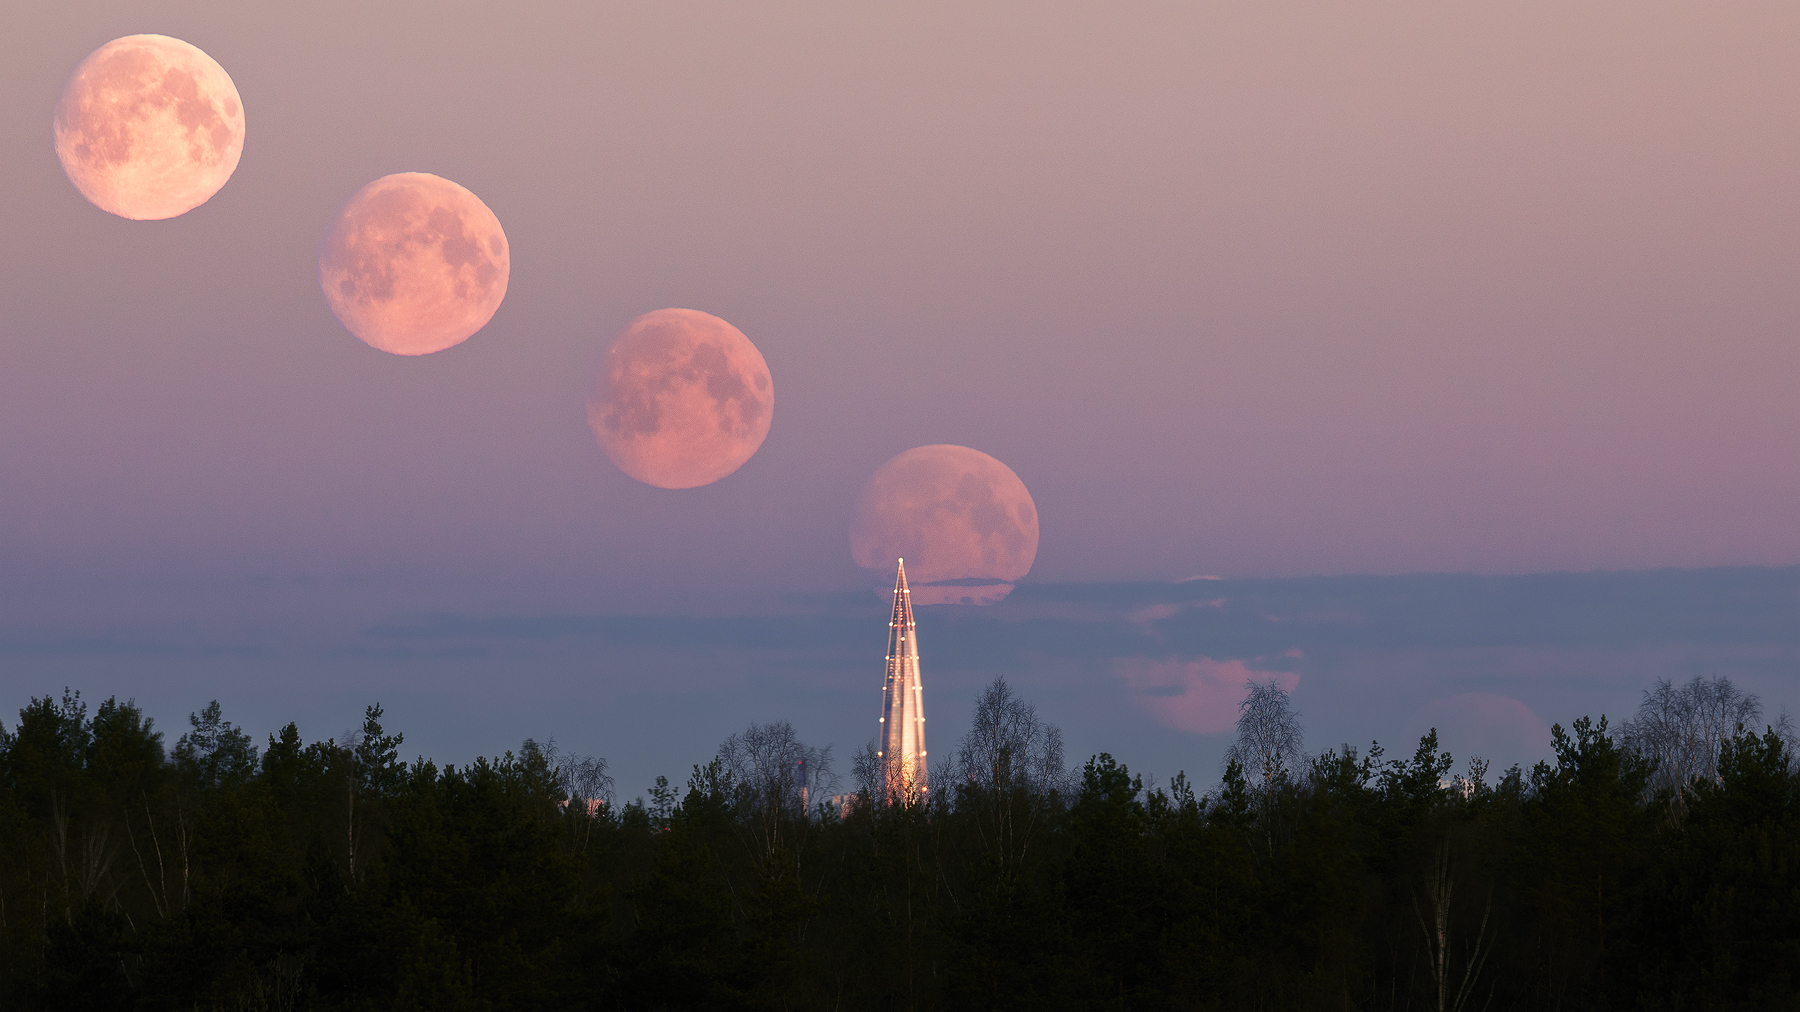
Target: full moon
414, 264
961, 519
149, 127
683, 399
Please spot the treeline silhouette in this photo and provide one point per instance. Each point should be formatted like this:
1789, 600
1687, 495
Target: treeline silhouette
1653, 866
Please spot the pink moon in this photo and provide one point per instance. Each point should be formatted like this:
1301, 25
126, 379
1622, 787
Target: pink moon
683, 399
149, 127
954, 514
414, 264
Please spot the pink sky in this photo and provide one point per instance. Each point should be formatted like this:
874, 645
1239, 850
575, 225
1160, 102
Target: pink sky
1374, 288
1250, 290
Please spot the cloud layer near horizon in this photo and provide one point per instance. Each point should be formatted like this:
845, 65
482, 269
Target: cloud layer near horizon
1151, 672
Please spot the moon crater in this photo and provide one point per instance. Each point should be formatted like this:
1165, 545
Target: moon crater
149, 127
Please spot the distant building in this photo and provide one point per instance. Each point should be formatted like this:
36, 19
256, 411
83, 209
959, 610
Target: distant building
592, 805
903, 701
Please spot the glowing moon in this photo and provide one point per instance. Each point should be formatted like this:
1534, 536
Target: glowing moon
683, 399
414, 264
149, 127
954, 514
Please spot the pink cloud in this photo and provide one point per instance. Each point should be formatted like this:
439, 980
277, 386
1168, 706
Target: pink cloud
1150, 613
1199, 695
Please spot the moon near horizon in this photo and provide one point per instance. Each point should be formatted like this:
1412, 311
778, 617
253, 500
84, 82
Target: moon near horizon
953, 513
683, 399
149, 127
414, 263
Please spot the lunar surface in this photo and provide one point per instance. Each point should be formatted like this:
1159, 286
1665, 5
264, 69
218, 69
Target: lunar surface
149, 127
414, 264
683, 399
963, 521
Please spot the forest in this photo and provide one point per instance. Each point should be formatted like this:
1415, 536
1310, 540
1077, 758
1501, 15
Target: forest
1654, 863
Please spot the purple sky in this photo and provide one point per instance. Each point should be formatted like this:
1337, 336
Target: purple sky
1254, 292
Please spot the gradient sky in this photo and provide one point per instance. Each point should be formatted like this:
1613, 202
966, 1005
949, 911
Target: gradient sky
1261, 291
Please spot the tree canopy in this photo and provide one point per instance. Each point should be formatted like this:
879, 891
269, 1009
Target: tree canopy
334, 874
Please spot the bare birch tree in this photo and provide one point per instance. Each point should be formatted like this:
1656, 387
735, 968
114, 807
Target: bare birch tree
1684, 728
1453, 995
1008, 746
1006, 770
775, 778
584, 783
583, 778
1269, 749
873, 773
368, 761
884, 779
1269, 742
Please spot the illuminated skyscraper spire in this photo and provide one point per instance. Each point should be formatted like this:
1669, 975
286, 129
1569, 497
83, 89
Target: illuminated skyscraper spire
903, 700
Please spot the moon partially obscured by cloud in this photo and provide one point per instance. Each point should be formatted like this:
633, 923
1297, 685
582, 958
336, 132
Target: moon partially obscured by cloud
683, 399
954, 514
1498, 728
414, 264
149, 127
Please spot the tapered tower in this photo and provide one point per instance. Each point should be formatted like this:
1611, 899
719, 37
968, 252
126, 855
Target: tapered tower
903, 700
